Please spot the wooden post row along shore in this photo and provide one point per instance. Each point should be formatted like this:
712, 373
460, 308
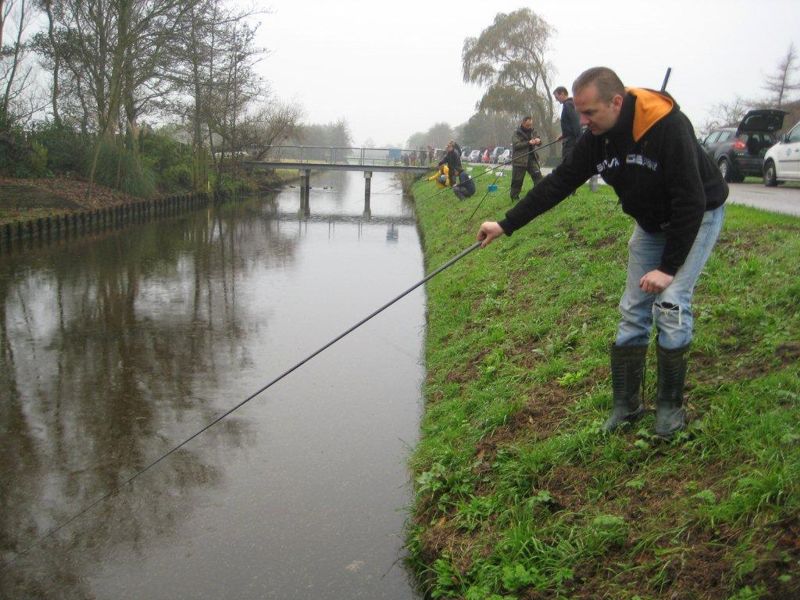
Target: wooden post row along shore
90, 221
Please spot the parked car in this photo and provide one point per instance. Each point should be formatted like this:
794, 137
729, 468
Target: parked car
487, 156
496, 154
465, 153
782, 161
505, 156
474, 156
739, 151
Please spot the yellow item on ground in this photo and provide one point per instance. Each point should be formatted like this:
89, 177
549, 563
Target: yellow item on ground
442, 177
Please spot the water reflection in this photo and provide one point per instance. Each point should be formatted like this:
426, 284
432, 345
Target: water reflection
113, 350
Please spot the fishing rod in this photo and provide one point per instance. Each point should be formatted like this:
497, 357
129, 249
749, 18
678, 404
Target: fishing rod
228, 412
666, 79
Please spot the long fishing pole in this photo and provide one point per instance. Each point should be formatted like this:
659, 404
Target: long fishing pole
130, 479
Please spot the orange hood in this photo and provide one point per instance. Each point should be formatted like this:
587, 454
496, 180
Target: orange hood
650, 108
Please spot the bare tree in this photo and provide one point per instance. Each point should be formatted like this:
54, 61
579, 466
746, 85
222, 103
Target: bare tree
785, 80
189, 77
510, 58
54, 57
15, 74
214, 83
272, 123
233, 87
5, 9
726, 114
111, 55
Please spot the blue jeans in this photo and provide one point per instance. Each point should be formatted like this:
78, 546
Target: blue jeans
671, 310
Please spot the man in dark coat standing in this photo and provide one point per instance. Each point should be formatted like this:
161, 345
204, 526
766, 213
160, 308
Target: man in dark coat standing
570, 122
523, 158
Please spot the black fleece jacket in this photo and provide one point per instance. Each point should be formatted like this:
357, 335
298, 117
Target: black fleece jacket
570, 121
653, 161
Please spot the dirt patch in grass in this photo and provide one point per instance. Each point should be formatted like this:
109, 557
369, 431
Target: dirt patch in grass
445, 539
546, 408
470, 370
689, 562
788, 353
24, 199
697, 569
778, 567
568, 486
19, 197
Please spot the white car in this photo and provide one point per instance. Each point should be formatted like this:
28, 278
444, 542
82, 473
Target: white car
782, 161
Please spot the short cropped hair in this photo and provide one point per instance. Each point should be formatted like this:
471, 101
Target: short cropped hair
561, 90
607, 82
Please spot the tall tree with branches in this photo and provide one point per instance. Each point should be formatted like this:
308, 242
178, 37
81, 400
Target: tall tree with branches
509, 57
214, 83
785, 79
111, 54
15, 74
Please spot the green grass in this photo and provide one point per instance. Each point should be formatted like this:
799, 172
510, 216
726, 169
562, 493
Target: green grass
518, 493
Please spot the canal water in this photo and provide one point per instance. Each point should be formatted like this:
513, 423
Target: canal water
114, 349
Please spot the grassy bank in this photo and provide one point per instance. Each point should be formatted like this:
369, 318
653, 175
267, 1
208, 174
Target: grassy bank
518, 494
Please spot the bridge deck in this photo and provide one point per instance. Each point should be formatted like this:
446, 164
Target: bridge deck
298, 216
322, 166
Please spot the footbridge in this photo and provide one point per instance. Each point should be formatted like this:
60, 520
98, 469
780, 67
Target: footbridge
326, 158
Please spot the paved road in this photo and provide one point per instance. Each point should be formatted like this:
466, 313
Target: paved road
777, 199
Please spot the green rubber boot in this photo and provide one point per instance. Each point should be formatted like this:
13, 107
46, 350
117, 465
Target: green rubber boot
670, 415
627, 383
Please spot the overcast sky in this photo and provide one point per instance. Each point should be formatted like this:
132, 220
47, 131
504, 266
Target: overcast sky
391, 69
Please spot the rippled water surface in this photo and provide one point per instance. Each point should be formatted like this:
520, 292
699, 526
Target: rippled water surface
116, 348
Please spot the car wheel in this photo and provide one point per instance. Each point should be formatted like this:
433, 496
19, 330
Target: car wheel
770, 177
725, 169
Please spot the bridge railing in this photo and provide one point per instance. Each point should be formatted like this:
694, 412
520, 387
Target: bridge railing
337, 155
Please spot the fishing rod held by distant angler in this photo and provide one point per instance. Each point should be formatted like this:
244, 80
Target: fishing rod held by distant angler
130, 479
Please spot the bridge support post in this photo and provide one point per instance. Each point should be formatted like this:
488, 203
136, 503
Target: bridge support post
305, 190
367, 186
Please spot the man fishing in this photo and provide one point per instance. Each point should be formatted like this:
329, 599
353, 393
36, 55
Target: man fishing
523, 157
640, 142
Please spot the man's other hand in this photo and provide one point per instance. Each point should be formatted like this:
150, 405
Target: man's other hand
655, 281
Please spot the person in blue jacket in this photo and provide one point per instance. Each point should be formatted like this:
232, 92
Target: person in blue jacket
642, 145
465, 187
